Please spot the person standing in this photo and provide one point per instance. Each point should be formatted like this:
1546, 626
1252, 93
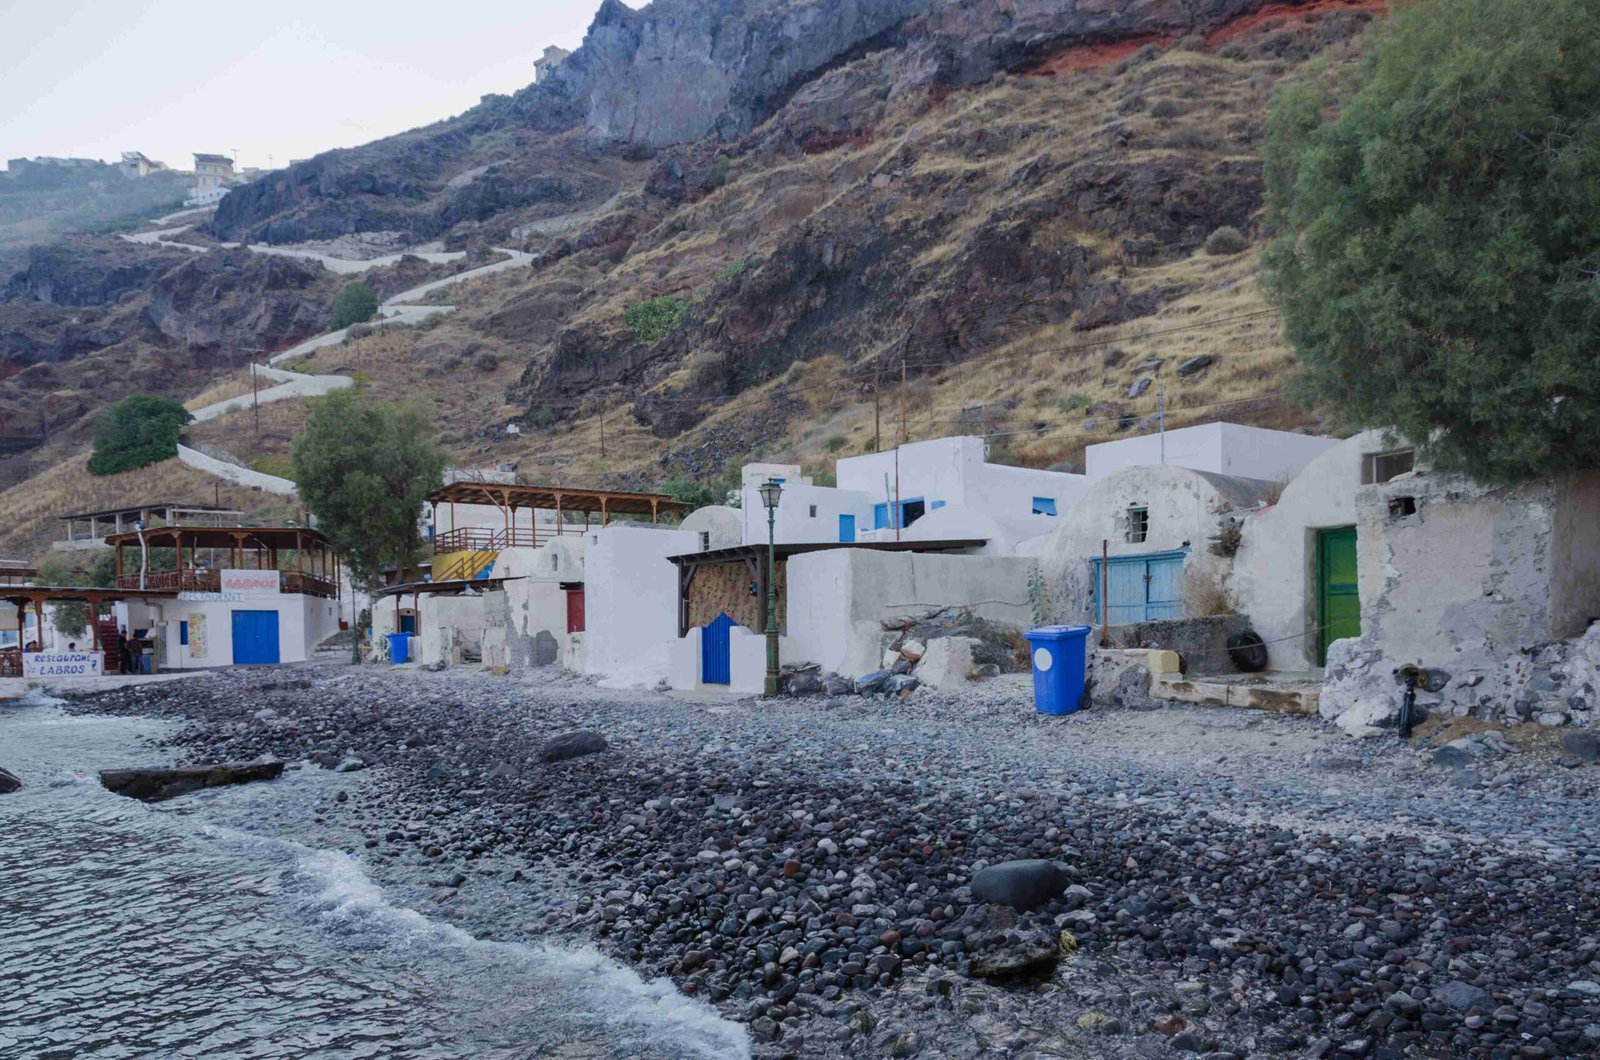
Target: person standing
124, 656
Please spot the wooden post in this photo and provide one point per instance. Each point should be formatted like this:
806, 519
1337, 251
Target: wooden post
118, 551
38, 614
655, 515
558, 514
605, 513
877, 403
905, 434
1105, 592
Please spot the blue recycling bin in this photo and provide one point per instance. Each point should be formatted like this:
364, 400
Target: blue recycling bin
1059, 654
400, 648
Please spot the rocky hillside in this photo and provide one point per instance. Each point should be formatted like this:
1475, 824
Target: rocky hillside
790, 228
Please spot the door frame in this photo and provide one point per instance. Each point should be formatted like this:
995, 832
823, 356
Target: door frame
1319, 586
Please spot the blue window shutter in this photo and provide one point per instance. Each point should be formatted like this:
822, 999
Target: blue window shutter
935, 504
880, 516
1044, 506
183, 632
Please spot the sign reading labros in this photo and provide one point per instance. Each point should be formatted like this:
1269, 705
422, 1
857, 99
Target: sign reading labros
62, 663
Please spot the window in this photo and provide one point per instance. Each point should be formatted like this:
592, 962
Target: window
1381, 467
705, 541
1044, 506
183, 632
813, 511
1137, 525
935, 505
880, 516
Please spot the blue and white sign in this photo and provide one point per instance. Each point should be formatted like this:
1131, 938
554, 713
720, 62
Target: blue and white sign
62, 663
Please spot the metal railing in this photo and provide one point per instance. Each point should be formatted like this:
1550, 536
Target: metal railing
485, 539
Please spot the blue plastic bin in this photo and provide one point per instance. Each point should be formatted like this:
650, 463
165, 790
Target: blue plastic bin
400, 648
1059, 653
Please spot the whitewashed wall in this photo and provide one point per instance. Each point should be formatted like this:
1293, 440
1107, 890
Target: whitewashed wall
795, 524
839, 598
631, 596
1219, 448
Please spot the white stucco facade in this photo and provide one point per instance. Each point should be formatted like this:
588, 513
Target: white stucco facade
806, 514
1275, 571
1219, 448
1003, 536
838, 599
747, 661
631, 599
718, 525
535, 604
954, 471
450, 629
1183, 509
196, 631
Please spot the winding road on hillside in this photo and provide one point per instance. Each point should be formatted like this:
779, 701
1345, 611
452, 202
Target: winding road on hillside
402, 309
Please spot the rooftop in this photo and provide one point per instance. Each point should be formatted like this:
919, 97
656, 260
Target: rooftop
227, 536
733, 553
565, 498
135, 510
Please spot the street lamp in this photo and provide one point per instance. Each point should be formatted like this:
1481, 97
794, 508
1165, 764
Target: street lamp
770, 492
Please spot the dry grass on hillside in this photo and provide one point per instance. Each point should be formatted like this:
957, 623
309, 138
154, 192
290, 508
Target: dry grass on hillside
30, 512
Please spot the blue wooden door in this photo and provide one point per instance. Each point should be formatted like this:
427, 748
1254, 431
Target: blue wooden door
255, 638
715, 656
1140, 588
847, 528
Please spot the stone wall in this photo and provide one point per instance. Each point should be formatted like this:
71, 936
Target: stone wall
1202, 642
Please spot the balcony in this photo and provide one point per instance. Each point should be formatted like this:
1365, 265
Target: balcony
486, 539
183, 581
210, 581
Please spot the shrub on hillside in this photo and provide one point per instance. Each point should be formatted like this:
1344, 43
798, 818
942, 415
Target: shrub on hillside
652, 320
1226, 240
1166, 108
137, 431
355, 304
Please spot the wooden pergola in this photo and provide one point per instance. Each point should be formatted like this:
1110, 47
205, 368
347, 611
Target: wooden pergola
509, 497
315, 571
24, 597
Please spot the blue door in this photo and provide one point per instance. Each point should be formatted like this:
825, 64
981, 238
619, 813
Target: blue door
847, 528
255, 638
715, 657
1140, 588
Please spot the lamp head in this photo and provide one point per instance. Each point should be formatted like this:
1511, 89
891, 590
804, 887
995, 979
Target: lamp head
770, 492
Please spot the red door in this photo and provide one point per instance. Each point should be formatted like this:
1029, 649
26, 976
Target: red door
574, 610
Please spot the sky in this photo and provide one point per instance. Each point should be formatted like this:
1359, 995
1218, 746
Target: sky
277, 81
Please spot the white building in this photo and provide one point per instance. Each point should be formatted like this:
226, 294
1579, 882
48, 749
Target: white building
882, 493
631, 600
1218, 448
233, 605
213, 175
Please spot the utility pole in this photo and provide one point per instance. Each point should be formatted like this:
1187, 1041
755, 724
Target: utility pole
602, 434
255, 398
904, 432
1161, 421
877, 393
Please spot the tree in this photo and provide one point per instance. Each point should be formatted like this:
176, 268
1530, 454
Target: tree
71, 617
136, 431
364, 470
355, 304
1437, 260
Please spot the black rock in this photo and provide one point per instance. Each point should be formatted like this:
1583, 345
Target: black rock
9, 782
1021, 885
1015, 955
573, 745
1463, 997
1196, 364
873, 682
1584, 746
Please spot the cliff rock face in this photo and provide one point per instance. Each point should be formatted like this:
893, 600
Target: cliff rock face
241, 303
89, 272
679, 69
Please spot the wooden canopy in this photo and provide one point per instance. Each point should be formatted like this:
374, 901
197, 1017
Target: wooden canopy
559, 498
315, 571
226, 537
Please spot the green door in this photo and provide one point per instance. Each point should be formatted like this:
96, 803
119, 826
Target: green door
1338, 602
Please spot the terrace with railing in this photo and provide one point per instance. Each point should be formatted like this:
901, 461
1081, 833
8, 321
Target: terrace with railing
203, 559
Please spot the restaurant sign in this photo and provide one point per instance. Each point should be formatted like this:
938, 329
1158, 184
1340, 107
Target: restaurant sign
62, 663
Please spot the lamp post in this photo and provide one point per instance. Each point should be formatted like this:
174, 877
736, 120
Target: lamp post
770, 492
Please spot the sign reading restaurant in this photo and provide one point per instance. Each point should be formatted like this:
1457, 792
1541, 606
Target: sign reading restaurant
62, 663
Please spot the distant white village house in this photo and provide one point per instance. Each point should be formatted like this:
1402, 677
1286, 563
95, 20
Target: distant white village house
213, 174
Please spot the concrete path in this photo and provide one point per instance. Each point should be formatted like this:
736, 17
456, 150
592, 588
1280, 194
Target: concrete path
17, 687
399, 310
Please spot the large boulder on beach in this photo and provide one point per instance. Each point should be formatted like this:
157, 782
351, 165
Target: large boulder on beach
1022, 885
573, 745
153, 785
1015, 954
9, 781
